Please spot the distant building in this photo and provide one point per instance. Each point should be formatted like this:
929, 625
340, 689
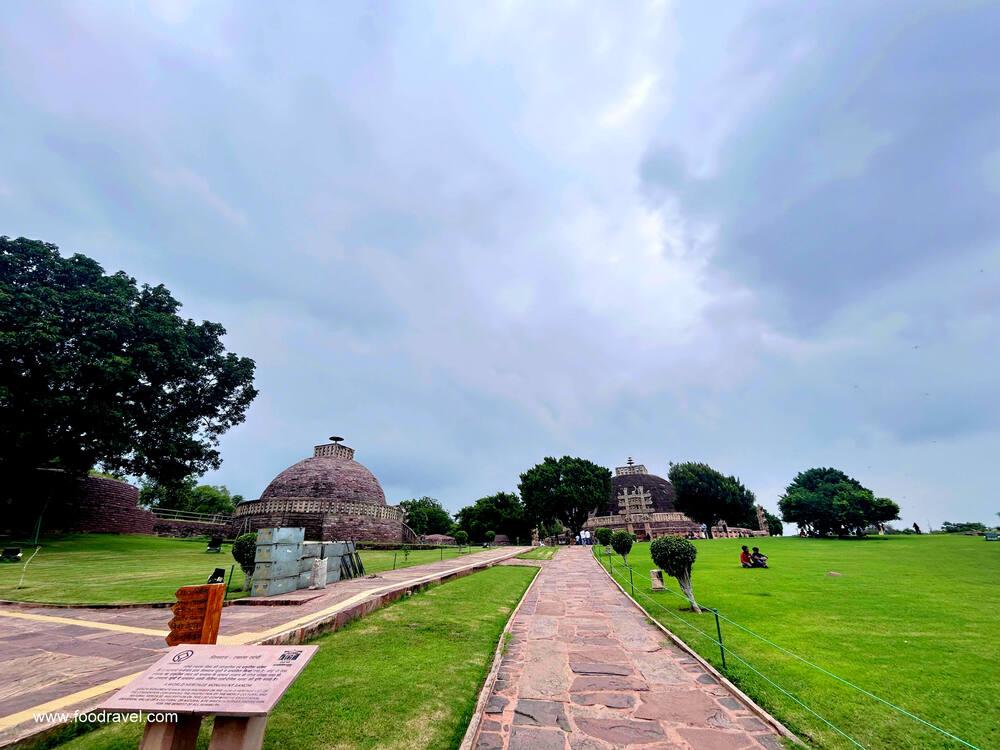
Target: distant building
643, 504
332, 496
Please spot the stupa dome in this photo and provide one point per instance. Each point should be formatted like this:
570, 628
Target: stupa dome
635, 489
326, 477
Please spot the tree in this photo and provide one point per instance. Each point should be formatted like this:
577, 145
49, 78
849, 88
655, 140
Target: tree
566, 489
245, 552
502, 513
621, 542
490, 536
461, 538
707, 496
827, 502
960, 528
188, 496
97, 370
603, 535
675, 557
425, 515
774, 525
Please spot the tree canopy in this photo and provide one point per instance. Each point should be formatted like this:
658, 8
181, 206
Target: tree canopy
425, 515
189, 496
502, 513
707, 496
774, 525
567, 489
97, 370
827, 502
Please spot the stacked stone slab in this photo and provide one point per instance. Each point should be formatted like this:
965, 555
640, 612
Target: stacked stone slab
285, 562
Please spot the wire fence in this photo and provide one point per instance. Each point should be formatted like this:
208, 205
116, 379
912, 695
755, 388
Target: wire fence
623, 574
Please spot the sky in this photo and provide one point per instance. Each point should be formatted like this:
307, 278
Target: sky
466, 236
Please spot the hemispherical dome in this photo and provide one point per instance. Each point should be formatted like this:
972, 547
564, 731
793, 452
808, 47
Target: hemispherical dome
326, 477
634, 488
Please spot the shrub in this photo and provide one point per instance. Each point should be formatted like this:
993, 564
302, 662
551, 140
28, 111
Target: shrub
675, 557
244, 552
461, 537
621, 542
490, 536
603, 535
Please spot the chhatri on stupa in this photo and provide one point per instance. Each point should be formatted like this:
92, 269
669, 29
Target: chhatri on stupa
643, 504
329, 494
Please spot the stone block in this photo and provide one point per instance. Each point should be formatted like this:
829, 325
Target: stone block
275, 586
278, 553
312, 549
305, 579
281, 535
656, 579
270, 571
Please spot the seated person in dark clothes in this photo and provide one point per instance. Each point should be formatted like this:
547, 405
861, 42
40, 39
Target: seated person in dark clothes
758, 559
745, 560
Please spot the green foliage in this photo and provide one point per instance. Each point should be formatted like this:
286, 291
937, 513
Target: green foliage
774, 525
461, 537
827, 502
188, 496
567, 489
502, 513
244, 552
426, 515
603, 535
95, 369
707, 496
955, 528
621, 542
673, 555
490, 536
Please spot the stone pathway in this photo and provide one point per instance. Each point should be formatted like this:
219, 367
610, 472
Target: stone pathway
585, 670
59, 659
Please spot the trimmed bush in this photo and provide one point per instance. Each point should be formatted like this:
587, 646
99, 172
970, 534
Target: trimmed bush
675, 557
603, 535
621, 542
244, 552
461, 537
490, 536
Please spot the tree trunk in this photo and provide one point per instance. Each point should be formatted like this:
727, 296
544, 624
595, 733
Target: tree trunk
685, 584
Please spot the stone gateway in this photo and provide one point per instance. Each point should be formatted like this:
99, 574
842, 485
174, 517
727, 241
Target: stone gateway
331, 496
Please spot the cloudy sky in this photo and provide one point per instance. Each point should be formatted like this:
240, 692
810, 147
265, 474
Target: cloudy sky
469, 235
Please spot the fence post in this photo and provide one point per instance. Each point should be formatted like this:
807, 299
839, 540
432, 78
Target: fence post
394, 559
630, 582
718, 630
441, 548
231, 569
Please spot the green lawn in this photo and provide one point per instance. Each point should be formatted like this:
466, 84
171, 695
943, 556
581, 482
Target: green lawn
539, 553
112, 569
406, 676
123, 569
913, 620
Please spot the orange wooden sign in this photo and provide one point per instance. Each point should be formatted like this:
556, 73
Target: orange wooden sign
196, 614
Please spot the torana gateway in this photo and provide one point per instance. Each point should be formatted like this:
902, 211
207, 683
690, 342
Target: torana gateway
331, 496
643, 504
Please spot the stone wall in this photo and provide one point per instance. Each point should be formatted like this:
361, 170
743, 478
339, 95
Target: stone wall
326, 526
106, 505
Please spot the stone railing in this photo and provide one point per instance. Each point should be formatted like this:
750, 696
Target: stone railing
316, 505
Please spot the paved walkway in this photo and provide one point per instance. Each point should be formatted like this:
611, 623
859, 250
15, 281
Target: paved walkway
58, 659
585, 670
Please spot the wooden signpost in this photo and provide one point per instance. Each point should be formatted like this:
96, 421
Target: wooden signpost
238, 684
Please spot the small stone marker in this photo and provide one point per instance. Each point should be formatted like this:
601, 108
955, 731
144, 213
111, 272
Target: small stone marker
317, 576
196, 614
238, 684
656, 579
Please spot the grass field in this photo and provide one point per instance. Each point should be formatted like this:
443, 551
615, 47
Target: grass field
124, 569
913, 620
539, 553
405, 677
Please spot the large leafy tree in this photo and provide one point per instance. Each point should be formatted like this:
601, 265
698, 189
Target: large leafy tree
98, 370
189, 496
566, 489
827, 502
774, 525
425, 515
708, 496
502, 513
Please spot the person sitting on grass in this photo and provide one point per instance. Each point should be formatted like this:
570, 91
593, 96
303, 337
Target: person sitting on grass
745, 560
758, 559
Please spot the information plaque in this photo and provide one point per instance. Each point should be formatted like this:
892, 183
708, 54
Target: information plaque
220, 680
